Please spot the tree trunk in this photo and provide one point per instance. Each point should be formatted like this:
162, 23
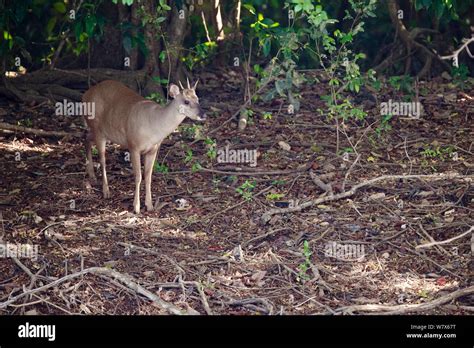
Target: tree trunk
220, 39
152, 43
176, 31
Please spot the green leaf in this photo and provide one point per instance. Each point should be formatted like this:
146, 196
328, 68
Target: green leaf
266, 46
250, 8
346, 38
280, 86
162, 56
438, 8
7, 35
427, 3
77, 29
90, 22
60, 7
50, 25
83, 37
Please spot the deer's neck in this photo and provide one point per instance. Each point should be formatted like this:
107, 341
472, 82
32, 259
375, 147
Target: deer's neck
164, 121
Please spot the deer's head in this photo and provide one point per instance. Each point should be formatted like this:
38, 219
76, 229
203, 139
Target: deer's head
187, 101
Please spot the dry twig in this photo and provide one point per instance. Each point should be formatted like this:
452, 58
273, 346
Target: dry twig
125, 279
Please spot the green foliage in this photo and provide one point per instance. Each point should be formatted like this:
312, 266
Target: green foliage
245, 190
211, 148
189, 156
305, 265
460, 75
34, 29
302, 5
331, 49
160, 81
87, 25
384, 125
196, 167
402, 83
437, 152
133, 37
25, 122
438, 8
192, 131
156, 97
160, 168
200, 54
248, 113
124, 2
345, 150
189, 159
274, 196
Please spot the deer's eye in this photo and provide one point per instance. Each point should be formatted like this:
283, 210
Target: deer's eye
186, 102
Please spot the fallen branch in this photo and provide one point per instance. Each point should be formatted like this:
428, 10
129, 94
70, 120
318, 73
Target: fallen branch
41, 132
263, 172
199, 288
407, 308
267, 215
427, 245
349, 172
321, 184
135, 247
249, 302
263, 236
125, 279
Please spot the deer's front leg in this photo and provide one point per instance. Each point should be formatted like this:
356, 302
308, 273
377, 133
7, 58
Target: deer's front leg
137, 171
149, 161
100, 143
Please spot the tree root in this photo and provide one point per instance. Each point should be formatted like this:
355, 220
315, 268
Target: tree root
57, 84
410, 46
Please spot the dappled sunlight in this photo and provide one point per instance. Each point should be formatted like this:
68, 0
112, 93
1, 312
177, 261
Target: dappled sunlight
22, 146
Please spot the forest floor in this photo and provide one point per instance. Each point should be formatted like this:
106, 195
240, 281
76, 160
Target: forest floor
206, 249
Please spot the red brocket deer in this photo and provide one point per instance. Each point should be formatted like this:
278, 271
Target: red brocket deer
137, 124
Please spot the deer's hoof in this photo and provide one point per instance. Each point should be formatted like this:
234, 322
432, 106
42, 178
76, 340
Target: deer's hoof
106, 194
150, 207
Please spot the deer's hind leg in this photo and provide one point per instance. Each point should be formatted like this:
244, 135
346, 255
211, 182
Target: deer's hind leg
89, 141
100, 143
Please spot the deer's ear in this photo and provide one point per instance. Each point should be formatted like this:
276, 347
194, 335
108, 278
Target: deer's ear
173, 91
